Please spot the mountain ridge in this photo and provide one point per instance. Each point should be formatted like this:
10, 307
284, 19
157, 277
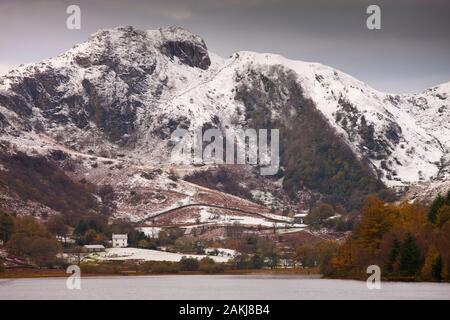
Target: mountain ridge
125, 90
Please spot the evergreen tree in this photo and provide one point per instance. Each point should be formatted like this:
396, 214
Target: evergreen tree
6, 226
410, 257
447, 198
257, 261
189, 264
437, 203
430, 260
443, 215
393, 255
436, 269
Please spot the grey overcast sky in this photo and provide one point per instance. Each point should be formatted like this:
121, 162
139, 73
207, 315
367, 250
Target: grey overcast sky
410, 53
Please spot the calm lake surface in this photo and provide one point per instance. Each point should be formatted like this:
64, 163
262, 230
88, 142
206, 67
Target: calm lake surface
217, 287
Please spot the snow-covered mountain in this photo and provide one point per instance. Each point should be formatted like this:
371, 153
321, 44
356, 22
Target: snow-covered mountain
124, 91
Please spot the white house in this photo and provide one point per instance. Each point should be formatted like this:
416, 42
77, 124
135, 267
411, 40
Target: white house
119, 240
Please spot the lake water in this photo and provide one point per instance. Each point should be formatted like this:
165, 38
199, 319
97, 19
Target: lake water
178, 287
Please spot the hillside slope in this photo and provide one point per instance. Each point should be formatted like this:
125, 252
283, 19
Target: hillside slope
117, 98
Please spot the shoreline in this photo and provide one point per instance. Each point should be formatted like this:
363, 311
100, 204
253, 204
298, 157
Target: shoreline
60, 273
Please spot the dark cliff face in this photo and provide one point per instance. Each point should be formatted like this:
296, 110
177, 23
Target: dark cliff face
190, 49
38, 90
116, 119
189, 53
3, 123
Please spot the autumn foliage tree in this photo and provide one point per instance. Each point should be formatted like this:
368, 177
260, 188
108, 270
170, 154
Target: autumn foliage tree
56, 226
31, 239
401, 239
6, 226
437, 204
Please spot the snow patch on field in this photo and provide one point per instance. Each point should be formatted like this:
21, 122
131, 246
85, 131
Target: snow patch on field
121, 254
207, 216
151, 232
